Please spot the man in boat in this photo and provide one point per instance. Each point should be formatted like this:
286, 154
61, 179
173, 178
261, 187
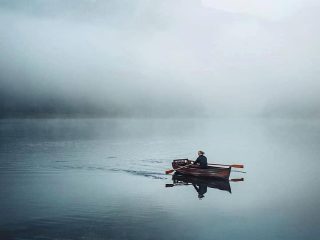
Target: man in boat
201, 160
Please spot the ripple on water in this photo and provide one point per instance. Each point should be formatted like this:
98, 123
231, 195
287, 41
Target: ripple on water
149, 174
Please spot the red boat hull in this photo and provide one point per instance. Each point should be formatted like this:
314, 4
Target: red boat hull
195, 170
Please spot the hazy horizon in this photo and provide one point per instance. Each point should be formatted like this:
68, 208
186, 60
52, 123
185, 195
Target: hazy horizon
159, 58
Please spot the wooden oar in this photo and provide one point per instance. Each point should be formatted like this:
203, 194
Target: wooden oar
237, 180
169, 185
232, 165
172, 170
177, 185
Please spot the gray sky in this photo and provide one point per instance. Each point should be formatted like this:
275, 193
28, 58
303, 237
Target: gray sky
160, 58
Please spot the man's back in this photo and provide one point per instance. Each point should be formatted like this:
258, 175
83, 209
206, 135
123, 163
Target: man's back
202, 160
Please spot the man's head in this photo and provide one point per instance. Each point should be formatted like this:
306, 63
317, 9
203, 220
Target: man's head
200, 152
200, 196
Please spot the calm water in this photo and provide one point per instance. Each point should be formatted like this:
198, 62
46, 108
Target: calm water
104, 179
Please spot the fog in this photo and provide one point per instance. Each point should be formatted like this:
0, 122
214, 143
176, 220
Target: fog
150, 58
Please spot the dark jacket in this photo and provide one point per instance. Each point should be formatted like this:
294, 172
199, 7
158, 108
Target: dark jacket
202, 160
201, 189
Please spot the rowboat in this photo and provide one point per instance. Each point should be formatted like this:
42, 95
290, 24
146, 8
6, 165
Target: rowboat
180, 166
217, 183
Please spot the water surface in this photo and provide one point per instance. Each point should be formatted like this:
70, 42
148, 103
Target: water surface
104, 179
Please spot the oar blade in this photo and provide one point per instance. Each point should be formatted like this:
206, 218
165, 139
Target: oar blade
237, 166
169, 171
169, 185
237, 180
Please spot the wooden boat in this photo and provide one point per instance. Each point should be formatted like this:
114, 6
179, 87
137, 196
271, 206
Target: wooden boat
217, 183
195, 170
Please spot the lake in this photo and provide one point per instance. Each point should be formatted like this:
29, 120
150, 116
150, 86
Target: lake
105, 179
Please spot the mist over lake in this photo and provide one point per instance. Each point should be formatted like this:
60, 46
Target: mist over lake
98, 98
159, 59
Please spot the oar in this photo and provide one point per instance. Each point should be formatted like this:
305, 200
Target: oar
232, 165
237, 180
177, 185
172, 170
169, 185
238, 171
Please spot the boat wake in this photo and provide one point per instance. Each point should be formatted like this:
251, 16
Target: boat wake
149, 174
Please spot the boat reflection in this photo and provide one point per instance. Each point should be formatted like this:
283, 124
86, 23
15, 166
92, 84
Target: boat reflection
201, 185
